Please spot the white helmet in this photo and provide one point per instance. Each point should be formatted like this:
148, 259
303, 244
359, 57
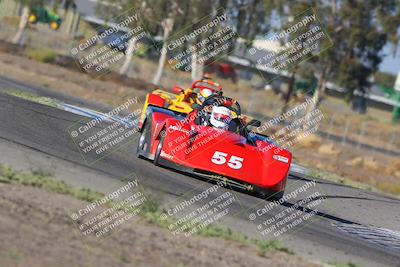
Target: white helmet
220, 117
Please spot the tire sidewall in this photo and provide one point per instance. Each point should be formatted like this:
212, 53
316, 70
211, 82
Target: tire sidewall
144, 138
159, 148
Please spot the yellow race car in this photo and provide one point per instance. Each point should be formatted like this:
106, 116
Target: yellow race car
179, 100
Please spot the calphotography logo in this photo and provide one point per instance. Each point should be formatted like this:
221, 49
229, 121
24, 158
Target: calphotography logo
104, 133
206, 40
106, 214
105, 50
306, 204
197, 211
298, 40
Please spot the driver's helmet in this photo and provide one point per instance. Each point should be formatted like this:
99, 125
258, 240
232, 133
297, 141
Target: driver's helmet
206, 76
203, 93
220, 117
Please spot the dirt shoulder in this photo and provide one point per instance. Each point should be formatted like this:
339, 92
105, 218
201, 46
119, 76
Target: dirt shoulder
36, 231
64, 80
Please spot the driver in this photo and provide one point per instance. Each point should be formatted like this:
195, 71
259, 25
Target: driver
198, 95
203, 93
220, 117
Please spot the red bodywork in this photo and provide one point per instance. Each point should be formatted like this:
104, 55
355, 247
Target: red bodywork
201, 84
220, 152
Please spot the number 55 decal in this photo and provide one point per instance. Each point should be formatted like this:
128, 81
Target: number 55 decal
220, 159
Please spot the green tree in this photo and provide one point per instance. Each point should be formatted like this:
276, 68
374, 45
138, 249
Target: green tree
287, 13
359, 31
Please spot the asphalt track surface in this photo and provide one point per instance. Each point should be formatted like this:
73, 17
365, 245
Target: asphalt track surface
349, 225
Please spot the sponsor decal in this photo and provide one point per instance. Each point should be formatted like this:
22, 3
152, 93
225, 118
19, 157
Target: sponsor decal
280, 158
176, 128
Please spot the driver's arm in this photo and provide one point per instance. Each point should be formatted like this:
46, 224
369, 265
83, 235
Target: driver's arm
188, 96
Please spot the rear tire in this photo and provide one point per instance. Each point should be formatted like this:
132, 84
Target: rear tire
143, 147
159, 148
269, 195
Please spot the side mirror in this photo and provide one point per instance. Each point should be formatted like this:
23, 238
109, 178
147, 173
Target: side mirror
177, 90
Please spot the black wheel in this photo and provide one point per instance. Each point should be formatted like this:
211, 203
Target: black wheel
277, 195
159, 147
269, 195
143, 147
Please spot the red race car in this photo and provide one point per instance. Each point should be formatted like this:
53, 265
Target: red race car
215, 142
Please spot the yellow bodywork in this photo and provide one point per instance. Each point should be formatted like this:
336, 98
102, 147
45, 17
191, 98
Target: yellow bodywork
181, 103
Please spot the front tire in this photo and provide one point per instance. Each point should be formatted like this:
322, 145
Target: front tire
143, 147
159, 148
